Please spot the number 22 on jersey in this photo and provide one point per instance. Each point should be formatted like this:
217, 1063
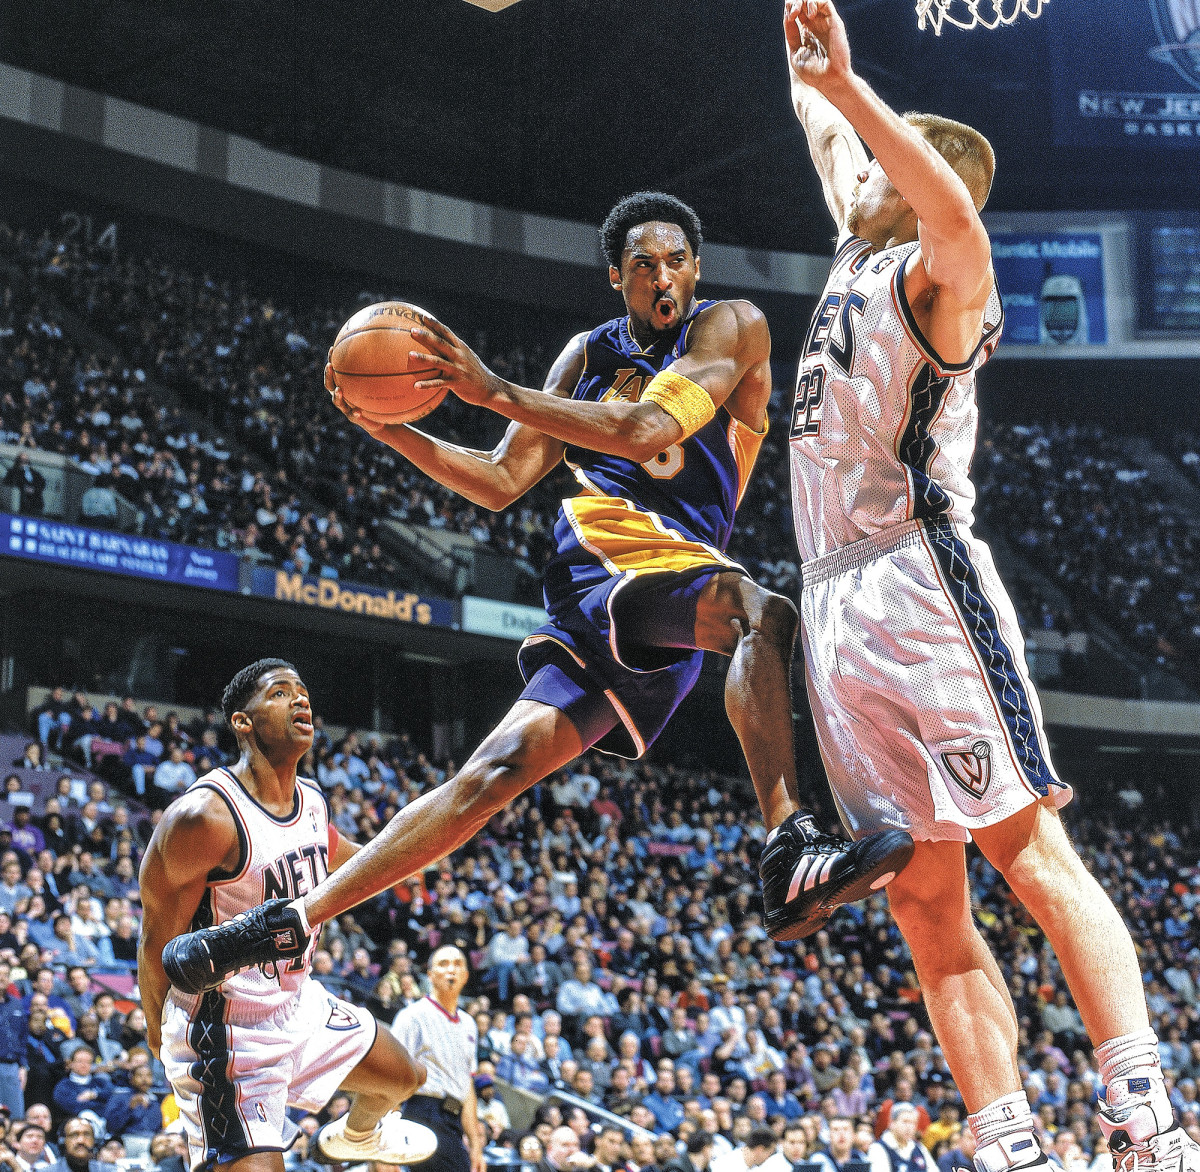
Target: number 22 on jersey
831, 333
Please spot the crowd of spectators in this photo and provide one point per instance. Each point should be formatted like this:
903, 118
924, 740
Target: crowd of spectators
612, 921
190, 488
1069, 498
255, 367
1075, 503
155, 757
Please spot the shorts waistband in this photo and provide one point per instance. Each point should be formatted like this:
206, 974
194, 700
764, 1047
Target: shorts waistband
240, 1011
859, 553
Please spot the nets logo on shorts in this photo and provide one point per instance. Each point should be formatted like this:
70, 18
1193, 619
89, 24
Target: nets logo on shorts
971, 769
340, 1018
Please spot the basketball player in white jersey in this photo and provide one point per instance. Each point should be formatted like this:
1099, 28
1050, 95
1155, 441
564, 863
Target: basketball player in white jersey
916, 673
265, 1039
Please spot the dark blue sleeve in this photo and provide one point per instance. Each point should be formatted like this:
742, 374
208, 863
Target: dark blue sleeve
116, 1112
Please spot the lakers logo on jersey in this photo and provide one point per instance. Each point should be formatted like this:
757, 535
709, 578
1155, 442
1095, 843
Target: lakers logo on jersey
680, 483
627, 386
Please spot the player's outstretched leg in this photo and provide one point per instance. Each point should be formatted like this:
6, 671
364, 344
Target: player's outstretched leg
806, 875
1033, 853
531, 742
371, 1130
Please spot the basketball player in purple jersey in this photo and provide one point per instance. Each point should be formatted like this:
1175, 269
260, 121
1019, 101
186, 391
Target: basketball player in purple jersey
660, 414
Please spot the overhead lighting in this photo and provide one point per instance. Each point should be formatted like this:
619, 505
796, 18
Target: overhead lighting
493, 5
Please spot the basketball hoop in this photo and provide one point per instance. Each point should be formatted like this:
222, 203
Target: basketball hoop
969, 14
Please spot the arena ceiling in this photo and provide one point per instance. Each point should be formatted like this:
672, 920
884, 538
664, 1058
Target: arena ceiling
561, 106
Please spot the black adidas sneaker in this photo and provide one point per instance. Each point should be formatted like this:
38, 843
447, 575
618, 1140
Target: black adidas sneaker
806, 875
201, 960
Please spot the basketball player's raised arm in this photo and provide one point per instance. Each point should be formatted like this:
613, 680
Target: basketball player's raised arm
195, 837
954, 243
727, 340
492, 479
837, 152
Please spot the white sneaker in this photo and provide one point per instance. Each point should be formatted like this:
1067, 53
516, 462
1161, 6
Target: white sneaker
1171, 1151
395, 1140
1136, 1117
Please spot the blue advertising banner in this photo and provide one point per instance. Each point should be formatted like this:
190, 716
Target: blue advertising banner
116, 553
354, 598
1052, 286
1127, 72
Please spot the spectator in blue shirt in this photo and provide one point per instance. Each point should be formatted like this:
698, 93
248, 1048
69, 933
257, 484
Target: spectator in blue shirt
40, 923
778, 1099
12, 889
667, 1110
142, 762
134, 1112
82, 1090
519, 1068
14, 1021
69, 949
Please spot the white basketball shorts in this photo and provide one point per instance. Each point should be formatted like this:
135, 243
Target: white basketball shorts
925, 713
233, 1082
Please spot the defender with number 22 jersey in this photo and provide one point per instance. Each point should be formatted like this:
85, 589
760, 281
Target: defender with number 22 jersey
925, 712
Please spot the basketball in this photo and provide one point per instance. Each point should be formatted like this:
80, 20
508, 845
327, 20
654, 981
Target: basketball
372, 368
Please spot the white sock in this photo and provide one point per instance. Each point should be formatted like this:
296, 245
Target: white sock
298, 906
1129, 1056
1004, 1134
1136, 1106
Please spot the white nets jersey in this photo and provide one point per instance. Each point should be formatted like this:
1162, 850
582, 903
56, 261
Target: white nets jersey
279, 858
883, 430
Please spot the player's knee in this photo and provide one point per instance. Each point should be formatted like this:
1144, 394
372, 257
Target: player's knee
925, 913
1037, 878
777, 620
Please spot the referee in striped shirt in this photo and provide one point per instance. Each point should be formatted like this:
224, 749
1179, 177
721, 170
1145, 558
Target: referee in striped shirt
435, 1031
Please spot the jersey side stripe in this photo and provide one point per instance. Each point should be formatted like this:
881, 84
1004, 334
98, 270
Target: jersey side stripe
917, 447
997, 660
222, 1126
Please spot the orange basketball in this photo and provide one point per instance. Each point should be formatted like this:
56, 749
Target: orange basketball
371, 364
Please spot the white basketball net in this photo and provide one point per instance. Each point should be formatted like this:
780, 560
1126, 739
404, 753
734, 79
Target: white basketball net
969, 14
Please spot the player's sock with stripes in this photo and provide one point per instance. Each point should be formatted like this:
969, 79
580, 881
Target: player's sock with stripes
1004, 1135
1135, 1100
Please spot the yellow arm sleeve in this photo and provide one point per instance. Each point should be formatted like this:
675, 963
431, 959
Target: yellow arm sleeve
688, 403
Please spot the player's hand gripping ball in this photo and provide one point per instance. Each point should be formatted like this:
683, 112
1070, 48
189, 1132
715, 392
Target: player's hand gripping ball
370, 364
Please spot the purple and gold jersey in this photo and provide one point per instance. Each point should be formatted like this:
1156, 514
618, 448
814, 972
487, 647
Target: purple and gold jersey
655, 532
676, 510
